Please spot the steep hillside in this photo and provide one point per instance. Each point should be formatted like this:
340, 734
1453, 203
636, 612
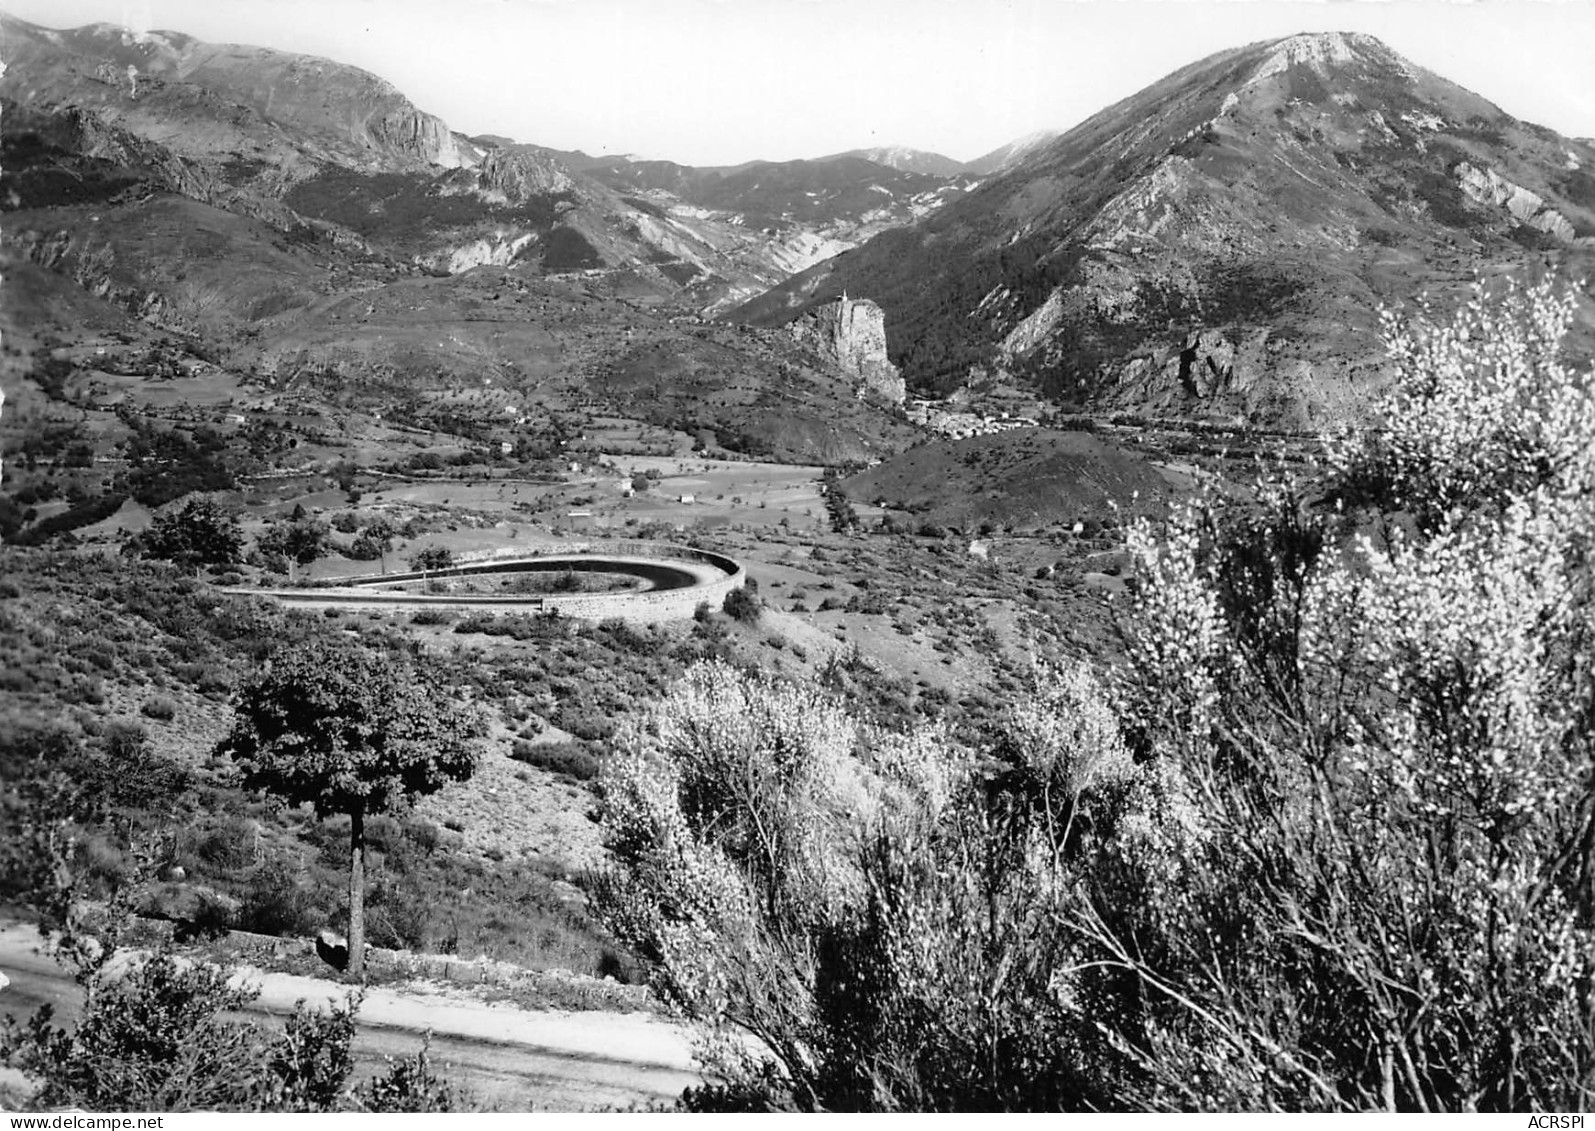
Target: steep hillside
1218, 244
311, 232
310, 145
503, 344
205, 99
1004, 157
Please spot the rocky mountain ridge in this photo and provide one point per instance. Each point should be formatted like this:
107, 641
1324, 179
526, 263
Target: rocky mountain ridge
303, 143
202, 99
1219, 243
830, 203
312, 231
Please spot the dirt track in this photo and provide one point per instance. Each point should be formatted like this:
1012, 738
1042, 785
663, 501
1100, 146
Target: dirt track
506, 1058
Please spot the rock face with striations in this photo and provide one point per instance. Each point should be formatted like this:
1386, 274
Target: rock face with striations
518, 172
852, 333
207, 100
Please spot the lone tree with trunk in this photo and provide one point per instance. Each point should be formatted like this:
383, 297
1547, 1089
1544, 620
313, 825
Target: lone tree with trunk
347, 730
378, 537
301, 540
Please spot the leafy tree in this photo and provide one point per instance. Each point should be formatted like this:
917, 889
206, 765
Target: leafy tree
202, 532
375, 541
159, 1032
348, 731
844, 519
345, 472
301, 540
432, 558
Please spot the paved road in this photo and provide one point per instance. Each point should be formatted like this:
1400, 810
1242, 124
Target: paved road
507, 1059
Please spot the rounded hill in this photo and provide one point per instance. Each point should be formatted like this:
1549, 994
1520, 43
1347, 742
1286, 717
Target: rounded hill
1021, 479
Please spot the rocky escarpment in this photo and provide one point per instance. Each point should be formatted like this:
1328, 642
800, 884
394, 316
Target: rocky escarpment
514, 173
93, 268
851, 333
1486, 186
406, 131
209, 101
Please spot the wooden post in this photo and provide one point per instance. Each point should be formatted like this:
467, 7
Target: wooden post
357, 893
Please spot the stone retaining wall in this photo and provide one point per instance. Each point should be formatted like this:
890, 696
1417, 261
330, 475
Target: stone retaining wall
654, 605
562, 984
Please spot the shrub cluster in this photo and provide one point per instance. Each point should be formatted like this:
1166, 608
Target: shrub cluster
1322, 843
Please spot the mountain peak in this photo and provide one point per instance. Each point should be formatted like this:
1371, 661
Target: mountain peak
905, 159
1323, 51
1218, 241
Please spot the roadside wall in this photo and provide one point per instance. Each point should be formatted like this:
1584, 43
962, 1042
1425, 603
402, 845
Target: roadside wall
561, 985
647, 607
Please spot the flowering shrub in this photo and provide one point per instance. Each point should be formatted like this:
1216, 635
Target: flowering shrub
834, 903
1483, 409
1324, 842
1389, 746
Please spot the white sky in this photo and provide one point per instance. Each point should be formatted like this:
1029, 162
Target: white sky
724, 81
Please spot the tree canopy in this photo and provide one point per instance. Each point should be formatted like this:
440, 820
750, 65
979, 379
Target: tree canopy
301, 540
348, 730
343, 727
200, 532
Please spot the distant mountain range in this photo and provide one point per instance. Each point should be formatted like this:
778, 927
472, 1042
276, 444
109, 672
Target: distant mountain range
302, 224
306, 143
1216, 245
1219, 243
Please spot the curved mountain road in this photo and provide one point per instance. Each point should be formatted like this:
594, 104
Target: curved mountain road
504, 1058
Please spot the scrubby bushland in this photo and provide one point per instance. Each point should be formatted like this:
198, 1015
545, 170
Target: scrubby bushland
858, 921
569, 759
158, 1032
87, 642
1324, 843
158, 1036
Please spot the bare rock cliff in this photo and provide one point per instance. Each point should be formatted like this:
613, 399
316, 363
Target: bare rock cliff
412, 133
852, 334
517, 172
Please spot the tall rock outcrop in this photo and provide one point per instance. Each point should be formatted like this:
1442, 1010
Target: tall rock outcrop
518, 172
852, 334
406, 132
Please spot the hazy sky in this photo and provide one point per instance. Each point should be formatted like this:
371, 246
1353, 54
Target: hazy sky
724, 81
